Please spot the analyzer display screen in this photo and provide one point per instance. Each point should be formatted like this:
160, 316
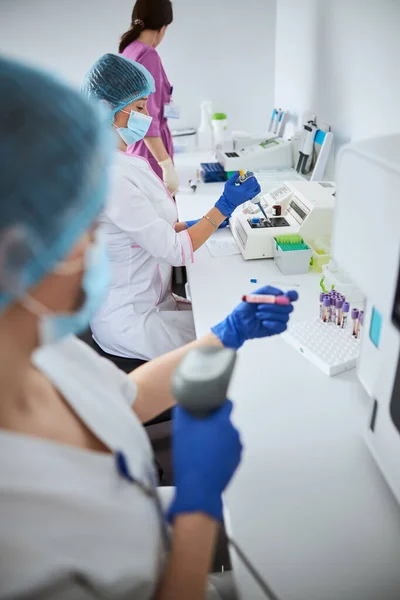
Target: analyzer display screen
298, 210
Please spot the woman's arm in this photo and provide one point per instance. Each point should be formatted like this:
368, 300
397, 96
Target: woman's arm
157, 148
201, 231
180, 226
247, 321
169, 174
132, 211
205, 454
153, 379
155, 106
189, 562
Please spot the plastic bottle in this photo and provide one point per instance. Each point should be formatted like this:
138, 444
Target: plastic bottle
219, 123
205, 138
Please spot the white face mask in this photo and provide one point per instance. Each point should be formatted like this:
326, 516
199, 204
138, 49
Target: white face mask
55, 326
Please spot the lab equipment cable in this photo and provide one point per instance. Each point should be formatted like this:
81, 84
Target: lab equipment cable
268, 592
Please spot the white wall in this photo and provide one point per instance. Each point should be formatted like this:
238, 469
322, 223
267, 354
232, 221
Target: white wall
224, 52
341, 59
212, 50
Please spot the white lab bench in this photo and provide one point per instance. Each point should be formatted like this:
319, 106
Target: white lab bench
308, 505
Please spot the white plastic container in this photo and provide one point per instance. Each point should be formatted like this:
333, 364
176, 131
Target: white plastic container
328, 347
184, 140
292, 262
342, 283
219, 123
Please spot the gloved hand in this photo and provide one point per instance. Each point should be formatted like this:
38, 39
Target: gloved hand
249, 321
205, 454
222, 226
170, 176
235, 195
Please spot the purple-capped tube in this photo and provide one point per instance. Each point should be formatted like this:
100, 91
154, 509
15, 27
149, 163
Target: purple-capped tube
339, 311
345, 314
359, 323
327, 306
333, 310
321, 305
354, 316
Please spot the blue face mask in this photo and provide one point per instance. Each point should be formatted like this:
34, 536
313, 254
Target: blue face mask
55, 326
138, 126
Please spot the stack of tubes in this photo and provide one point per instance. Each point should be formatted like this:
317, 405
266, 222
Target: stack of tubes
334, 309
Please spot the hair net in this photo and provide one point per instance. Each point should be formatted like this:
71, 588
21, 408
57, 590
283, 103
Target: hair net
54, 150
117, 81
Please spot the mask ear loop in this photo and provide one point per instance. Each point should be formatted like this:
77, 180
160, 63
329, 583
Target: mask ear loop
70, 267
34, 306
15, 254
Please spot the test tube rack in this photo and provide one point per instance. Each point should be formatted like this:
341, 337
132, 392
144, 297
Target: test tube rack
327, 346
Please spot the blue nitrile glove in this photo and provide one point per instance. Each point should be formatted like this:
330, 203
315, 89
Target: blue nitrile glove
235, 195
249, 321
191, 223
205, 454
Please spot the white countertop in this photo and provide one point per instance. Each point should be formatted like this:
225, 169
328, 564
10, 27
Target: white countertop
308, 505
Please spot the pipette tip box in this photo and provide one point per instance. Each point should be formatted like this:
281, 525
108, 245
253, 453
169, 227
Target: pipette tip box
327, 346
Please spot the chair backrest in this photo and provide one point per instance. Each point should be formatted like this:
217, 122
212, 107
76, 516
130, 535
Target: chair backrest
127, 365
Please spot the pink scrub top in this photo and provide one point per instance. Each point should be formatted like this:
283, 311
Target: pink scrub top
148, 57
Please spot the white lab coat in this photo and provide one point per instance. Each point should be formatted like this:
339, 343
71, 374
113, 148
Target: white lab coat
140, 317
71, 527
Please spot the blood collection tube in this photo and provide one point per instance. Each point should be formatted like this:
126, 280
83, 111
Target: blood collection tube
327, 305
321, 306
266, 299
333, 308
360, 322
354, 316
339, 311
345, 314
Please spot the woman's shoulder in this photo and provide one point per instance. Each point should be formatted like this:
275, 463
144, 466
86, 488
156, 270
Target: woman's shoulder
140, 52
71, 362
129, 165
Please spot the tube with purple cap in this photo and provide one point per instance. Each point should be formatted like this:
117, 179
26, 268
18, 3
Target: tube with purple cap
345, 314
333, 308
321, 306
359, 323
354, 316
339, 311
327, 306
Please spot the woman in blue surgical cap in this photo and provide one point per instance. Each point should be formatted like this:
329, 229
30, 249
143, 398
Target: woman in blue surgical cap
80, 515
141, 318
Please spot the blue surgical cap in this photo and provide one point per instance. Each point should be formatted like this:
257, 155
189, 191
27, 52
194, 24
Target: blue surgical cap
55, 147
117, 81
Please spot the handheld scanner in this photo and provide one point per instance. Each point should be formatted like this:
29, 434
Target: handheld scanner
201, 380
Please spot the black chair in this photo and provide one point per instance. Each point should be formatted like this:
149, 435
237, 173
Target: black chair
127, 365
